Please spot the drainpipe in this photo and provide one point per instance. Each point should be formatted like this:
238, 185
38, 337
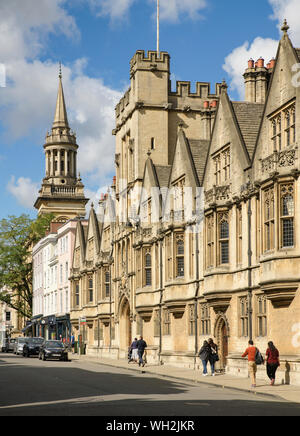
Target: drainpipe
161, 297
110, 290
196, 294
250, 310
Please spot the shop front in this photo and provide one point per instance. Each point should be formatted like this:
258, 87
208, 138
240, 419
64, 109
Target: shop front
64, 328
48, 327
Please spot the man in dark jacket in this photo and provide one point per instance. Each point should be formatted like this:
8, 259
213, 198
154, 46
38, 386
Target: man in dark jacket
141, 345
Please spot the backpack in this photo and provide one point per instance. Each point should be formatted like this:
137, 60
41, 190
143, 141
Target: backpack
259, 360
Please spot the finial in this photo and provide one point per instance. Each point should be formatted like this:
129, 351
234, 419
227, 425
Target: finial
79, 178
149, 153
92, 205
285, 26
60, 72
181, 125
224, 84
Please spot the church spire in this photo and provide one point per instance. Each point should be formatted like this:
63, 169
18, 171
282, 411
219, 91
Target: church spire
60, 118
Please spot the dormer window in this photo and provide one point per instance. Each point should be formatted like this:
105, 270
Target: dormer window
283, 128
222, 166
290, 121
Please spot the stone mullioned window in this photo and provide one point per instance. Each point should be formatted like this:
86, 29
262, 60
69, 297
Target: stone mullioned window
283, 127
222, 166
282, 222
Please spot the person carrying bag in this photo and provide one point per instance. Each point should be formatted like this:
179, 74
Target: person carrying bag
204, 354
214, 356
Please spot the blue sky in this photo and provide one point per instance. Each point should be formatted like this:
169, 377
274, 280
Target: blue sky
208, 40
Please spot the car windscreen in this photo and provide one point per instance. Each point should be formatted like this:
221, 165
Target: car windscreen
35, 341
53, 344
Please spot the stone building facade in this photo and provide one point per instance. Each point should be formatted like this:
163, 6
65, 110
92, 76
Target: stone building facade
198, 236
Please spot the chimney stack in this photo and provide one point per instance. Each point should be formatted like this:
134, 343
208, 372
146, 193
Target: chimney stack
257, 78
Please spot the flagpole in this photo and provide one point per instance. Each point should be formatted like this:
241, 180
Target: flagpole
157, 48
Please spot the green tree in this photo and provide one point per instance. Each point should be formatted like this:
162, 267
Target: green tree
18, 235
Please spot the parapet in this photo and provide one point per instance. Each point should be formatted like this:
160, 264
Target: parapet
183, 89
152, 62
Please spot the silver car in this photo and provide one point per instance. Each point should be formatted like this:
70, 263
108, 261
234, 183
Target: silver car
18, 346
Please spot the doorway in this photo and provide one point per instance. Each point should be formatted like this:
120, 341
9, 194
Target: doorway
222, 335
224, 346
125, 326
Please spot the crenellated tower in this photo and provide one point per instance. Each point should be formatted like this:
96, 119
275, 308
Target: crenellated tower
149, 114
62, 192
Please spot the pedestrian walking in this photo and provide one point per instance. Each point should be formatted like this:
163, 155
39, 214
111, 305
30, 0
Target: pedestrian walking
272, 359
134, 350
73, 343
214, 356
251, 353
141, 345
205, 354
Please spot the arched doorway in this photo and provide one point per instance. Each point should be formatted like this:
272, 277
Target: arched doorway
222, 334
125, 325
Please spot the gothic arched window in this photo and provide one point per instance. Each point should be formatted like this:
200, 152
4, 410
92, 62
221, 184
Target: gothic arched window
223, 238
287, 215
179, 256
148, 268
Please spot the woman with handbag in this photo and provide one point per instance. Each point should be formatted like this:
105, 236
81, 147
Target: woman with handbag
204, 355
214, 357
272, 359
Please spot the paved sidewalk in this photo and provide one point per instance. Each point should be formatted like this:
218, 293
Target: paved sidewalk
285, 392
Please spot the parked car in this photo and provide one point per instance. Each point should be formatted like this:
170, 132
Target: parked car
53, 350
18, 345
10, 345
32, 346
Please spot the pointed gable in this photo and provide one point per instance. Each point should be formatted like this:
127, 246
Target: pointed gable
93, 237
283, 92
80, 244
230, 145
183, 161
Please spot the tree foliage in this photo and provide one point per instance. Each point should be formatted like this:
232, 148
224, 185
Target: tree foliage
18, 235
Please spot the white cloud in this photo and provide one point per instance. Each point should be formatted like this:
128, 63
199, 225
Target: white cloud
28, 102
173, 10
237, 61
115, 9
24, 190
170, 10
290, 10
24, 25
94, 197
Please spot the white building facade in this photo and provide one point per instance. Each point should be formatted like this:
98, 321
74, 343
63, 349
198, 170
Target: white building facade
52, 258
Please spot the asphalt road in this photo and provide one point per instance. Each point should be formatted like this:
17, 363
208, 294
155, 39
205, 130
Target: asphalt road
30, 387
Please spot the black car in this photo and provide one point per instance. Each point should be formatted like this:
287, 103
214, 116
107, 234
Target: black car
53, 350
32, 346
